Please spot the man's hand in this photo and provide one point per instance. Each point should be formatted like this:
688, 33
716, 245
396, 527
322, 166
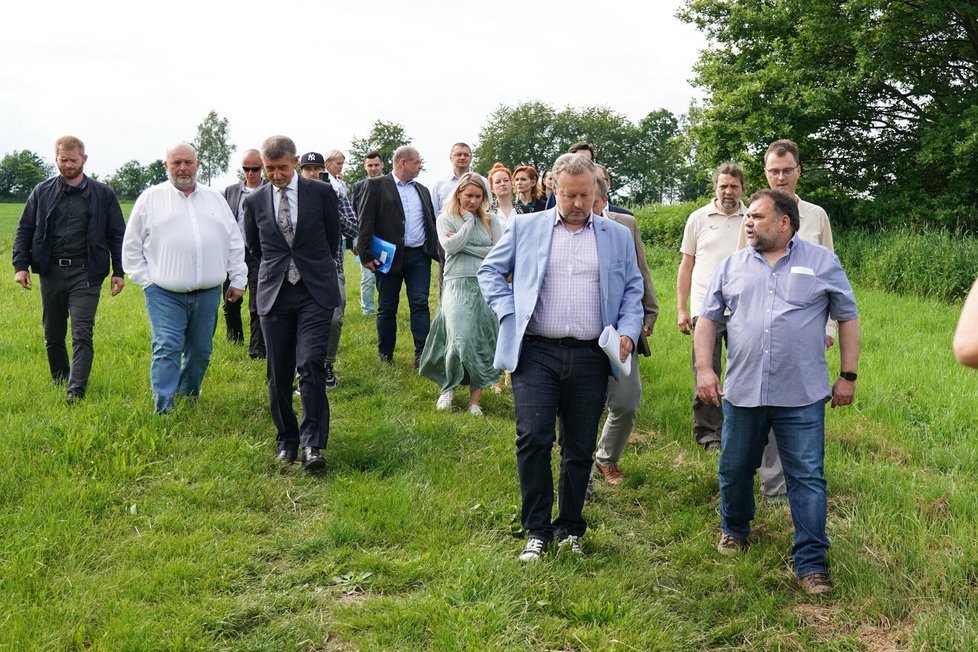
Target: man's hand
843, 391
647, 330
625, 348
829, 341
23, 278
685, 322
116, 283
708, 387
234, 294
371, 265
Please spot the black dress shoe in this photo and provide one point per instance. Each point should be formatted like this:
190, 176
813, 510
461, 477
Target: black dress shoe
287, 456
312, 460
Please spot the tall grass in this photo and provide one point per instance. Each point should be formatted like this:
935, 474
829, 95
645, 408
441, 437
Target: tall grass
120, 529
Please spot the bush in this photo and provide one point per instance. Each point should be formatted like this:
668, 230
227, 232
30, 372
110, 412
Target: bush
662, 224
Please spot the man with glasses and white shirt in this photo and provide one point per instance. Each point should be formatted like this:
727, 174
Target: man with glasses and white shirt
782, 167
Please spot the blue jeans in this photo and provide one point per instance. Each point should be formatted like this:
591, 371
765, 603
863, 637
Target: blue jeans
368, 284
416, 275
567, 385
800, 433
182, 334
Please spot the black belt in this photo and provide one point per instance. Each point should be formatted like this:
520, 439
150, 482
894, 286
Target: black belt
562, 342
71, 262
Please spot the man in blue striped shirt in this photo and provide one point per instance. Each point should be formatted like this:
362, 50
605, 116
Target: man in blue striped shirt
780, 290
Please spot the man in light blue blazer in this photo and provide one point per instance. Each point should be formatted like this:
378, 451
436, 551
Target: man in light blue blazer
573, 273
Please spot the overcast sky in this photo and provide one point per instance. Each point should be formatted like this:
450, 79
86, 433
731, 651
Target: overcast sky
132, 78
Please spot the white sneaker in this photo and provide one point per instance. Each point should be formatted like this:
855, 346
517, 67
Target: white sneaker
444, 401
571, 544
475, 409
534, 549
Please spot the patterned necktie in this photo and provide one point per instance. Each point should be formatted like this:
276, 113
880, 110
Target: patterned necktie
285, 224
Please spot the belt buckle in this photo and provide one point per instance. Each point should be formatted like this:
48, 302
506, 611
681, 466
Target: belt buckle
64, 262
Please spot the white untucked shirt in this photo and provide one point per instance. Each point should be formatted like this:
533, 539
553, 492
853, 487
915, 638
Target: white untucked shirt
183, 243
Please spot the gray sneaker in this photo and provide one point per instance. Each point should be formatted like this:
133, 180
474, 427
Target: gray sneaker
571, 544
535, 547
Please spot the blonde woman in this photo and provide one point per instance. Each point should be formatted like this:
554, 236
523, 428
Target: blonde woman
462, 341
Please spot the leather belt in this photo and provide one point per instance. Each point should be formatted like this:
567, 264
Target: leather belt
71, 262
562, 342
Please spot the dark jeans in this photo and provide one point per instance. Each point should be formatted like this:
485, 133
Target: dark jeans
566, 385
296, 331
800, 433
65, 293
708, 418
416, 275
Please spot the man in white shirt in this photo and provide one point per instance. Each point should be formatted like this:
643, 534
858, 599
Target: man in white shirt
710, 236
181, 243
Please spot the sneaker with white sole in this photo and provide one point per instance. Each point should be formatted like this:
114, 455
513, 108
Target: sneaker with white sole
331, 381
572, 544
475, 409
444, 401
534, 549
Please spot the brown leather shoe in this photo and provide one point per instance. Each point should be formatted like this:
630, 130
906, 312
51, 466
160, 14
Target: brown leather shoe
731, 545
815, 584
612, 474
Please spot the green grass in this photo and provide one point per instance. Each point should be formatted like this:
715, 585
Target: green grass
123, 530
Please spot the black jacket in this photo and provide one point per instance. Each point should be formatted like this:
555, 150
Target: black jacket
32, 243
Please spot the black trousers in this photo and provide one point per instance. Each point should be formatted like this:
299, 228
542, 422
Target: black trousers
65, 293
296, 332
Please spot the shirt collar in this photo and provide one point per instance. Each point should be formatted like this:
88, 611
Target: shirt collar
400, 183
587, 225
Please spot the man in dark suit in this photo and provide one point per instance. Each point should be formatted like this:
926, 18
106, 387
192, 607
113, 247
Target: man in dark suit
292, 226
397, 209
235, 194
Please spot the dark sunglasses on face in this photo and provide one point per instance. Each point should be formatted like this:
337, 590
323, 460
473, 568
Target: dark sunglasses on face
248, 169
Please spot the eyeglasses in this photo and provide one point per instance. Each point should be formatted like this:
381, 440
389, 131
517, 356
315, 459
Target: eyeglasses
778, 172
250, 169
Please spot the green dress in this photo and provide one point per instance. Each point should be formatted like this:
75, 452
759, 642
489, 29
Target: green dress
461, 343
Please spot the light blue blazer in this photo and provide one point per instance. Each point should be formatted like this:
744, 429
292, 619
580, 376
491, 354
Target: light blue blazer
523, 251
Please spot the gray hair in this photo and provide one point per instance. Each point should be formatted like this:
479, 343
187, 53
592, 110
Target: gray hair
573, 165
276, 147
602, 187
405, 153
170, 150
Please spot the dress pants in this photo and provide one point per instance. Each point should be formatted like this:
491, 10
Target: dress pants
296, 331
707, 418
233, 327
567, 385
415, 273
182, 328
65, 293
256, 342
624, 397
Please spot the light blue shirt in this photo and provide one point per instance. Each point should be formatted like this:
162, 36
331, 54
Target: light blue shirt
776, 326
414, 234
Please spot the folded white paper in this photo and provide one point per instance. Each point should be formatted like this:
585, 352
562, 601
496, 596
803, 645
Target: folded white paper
610, 341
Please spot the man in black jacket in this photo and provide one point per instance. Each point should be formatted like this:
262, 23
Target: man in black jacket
70, 232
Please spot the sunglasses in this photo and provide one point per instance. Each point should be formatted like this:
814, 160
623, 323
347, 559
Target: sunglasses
248, 169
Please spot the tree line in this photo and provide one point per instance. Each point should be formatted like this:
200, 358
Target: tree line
880, 95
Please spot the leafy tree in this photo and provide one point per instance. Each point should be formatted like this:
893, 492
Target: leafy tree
385, 137
20, 172
213, 149
155, 173
881, 96
128, 181
642, 159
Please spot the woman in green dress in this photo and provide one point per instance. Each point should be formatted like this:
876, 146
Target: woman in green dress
462, 341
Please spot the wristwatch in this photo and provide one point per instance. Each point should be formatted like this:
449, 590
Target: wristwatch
848, 375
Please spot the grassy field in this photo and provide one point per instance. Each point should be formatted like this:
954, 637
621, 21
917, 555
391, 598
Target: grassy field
120, 529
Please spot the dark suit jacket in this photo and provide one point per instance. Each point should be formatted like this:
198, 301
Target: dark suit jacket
650, 303
382, 215
317, 236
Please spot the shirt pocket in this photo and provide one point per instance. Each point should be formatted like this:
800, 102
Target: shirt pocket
801, 286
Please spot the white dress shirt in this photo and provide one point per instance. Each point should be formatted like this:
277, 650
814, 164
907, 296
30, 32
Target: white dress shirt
183, 242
